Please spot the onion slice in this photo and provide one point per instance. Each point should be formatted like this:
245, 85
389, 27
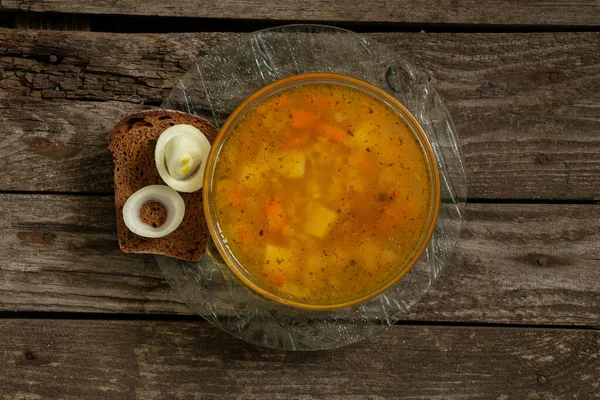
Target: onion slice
178, 136
159, 193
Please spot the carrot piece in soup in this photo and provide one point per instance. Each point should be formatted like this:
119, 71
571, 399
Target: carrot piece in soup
276, 278
293, 142
234, 198
275, 214
388, 219
244, 235
303, 119
331, 132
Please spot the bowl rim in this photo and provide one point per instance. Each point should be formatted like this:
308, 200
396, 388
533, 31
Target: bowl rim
266, 91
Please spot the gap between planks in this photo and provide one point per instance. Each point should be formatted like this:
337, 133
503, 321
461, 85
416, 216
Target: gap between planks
157, 24
492, 13
68, 316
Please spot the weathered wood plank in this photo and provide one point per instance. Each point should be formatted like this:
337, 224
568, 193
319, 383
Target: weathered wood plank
191, 360
520, 264
58, 146
492, 12
525, 105
98, 66
63, 250
532, 264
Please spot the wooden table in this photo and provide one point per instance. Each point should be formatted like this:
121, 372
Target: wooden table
516, 315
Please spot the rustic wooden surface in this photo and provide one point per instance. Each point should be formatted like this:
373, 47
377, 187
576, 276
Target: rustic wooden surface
513, 264
514, 97
515, 315
491, 12
192, 360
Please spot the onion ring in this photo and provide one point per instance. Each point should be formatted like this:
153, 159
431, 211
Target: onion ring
193, 181
159, 193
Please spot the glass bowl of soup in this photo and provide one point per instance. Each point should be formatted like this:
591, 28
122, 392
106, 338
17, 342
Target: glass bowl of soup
321, 191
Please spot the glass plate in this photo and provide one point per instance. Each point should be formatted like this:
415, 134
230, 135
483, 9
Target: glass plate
216, 84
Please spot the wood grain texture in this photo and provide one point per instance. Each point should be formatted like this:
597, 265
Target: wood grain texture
525, 105
97, 66
63, 247
529, 264
522, 264
64, 145
492, 12
192, 360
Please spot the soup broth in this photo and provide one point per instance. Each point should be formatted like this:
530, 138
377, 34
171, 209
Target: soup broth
323, 193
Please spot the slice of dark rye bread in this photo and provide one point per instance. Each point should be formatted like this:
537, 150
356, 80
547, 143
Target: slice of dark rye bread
132, 144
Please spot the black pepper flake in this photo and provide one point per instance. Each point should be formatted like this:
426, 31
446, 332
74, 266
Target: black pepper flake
368, 149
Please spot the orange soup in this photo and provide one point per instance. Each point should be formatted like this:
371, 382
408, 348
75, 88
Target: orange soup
323, 193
